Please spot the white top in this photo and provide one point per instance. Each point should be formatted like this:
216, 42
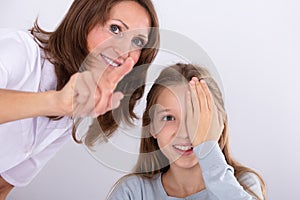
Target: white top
218, 176
26, 145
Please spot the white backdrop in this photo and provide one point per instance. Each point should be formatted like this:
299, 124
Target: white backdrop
255, 46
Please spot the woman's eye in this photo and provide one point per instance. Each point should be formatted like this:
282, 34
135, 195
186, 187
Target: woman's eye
115, 29
138, 42
168, 118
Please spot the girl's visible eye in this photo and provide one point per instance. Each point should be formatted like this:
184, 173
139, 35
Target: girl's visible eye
115, 29
168, 118
139, 42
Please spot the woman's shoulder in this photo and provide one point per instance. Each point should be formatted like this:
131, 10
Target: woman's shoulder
20, 58
17, 36
18, 42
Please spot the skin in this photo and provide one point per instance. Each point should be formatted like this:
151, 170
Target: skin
5, 188
116, 46
176, 122
89, 93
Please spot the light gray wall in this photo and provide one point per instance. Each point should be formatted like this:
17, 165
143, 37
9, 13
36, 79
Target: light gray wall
255, 46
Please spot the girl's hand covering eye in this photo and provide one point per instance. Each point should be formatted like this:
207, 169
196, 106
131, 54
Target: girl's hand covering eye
203, 120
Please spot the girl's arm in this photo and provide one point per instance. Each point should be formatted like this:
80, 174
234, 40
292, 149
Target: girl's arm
219, 176
205, 127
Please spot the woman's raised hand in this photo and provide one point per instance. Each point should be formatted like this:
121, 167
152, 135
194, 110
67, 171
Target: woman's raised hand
91, 92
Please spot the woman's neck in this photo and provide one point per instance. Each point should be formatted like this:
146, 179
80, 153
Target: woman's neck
180, 182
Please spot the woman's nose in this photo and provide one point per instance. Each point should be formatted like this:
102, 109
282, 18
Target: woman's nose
122, 46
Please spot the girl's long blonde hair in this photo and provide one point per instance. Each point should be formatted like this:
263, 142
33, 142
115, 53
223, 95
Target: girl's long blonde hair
151, 160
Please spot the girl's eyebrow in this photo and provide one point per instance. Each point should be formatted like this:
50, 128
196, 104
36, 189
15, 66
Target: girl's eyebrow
164, 110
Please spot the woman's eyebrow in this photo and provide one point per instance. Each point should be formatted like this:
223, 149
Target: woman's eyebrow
127, 27
144, 36
124, 24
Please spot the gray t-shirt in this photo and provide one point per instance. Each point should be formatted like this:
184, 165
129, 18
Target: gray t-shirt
220, 181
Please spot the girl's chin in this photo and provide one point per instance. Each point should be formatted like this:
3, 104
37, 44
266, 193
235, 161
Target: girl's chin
186, 164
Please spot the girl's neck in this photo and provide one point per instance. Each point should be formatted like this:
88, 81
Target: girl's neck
180, 182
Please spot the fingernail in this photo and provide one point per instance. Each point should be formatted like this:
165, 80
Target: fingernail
195, 79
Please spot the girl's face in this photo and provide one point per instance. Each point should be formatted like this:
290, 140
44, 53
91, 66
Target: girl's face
124, 34
169, 128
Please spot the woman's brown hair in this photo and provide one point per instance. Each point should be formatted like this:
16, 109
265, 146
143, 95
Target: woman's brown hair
151, 160
66, 48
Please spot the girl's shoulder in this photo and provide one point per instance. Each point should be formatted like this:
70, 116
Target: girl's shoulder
134, 187
252, 182
249, 179
134, 180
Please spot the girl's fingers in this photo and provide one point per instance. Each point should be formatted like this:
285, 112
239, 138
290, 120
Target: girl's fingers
189, 114
208, 95
194, 100
201, 96
193, 112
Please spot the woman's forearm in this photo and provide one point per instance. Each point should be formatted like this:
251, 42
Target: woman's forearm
15, 105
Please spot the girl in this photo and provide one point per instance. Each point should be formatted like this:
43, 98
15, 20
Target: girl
40, 87
184, 152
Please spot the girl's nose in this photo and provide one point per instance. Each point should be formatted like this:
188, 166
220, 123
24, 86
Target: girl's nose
182, 131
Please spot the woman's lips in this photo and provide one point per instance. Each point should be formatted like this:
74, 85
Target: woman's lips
111, 62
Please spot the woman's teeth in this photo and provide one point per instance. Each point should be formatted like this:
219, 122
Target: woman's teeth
183, 148
110, 62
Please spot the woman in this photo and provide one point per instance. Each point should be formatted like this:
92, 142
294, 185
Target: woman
184, 152
41, 86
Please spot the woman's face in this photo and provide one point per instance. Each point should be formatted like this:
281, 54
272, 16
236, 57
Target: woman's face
169, 128
124, 34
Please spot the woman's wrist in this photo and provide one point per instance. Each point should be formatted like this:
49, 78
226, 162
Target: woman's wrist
55, 104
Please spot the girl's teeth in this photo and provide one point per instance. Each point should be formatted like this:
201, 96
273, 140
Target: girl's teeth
183, 148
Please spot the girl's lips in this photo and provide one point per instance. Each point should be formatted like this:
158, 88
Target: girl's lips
184, 150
